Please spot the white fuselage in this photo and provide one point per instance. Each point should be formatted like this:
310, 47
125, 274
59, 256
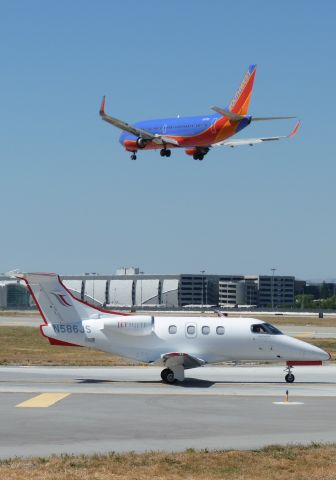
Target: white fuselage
147, 338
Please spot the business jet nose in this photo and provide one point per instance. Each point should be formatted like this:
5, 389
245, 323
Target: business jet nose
310, 352
315, 353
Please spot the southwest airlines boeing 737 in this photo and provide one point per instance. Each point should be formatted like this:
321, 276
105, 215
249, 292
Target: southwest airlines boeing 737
197, 135
176, 343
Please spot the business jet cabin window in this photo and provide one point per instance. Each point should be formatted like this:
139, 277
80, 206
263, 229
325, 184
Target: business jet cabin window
220, 330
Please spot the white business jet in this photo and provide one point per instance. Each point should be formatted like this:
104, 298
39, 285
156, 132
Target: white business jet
176, 343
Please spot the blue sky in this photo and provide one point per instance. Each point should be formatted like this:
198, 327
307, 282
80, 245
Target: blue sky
73, 201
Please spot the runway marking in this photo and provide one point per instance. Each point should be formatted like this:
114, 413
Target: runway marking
43, 400
288, 403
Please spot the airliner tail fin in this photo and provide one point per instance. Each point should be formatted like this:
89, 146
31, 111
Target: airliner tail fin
241, 101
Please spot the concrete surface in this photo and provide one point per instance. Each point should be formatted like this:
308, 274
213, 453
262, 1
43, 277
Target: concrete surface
123, 409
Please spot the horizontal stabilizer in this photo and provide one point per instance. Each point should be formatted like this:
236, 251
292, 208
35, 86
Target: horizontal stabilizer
257, 119
228, 113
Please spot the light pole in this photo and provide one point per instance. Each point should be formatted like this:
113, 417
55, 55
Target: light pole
93, 285
202, 272
272, 291
141, 273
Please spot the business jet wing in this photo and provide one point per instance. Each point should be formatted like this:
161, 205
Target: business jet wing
174, 359
138, 132
252, 141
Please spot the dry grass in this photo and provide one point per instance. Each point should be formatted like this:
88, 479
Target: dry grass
18, 313
297, 320
314, 462
327, 344
26, 346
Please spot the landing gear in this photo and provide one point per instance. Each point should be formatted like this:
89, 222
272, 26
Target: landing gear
164, 152
133, 156
289, 377
168, 376
200, 152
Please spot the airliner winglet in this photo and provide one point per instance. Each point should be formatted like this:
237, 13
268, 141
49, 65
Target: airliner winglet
102, 107
295, 129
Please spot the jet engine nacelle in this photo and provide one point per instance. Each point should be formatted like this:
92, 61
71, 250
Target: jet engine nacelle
141, 142
134, 326
191, 151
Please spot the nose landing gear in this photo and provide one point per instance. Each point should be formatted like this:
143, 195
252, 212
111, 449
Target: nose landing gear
289, 377
133, 156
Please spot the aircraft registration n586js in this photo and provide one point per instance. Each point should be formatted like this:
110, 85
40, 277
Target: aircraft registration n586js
176, 343
198, 134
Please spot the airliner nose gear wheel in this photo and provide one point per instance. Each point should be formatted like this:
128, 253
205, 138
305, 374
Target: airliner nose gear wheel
289, 377
168, 376
133, 156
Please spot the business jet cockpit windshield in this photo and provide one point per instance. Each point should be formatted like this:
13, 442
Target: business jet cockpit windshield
265, 328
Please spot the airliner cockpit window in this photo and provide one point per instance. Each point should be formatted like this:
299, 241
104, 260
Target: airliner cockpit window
265, 328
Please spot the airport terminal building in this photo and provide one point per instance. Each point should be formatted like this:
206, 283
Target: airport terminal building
130, 288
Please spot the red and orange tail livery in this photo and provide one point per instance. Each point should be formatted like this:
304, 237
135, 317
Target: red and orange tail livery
241, 101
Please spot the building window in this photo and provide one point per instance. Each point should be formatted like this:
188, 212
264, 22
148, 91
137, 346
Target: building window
172, 329
220, 330
205, 330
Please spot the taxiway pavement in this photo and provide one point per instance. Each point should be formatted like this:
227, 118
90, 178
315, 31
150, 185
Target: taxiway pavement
45, 410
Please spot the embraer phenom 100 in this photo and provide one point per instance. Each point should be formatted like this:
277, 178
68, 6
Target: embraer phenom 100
175, 343
197, 135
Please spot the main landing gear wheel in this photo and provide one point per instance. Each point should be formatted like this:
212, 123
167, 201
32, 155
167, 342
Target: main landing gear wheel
289, 378
164, 152
198, 156
133, 156
168, 376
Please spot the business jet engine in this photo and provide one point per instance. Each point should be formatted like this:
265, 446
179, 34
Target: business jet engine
138, 326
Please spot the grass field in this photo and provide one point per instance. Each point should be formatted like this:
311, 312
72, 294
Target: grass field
314, 462
279, 320
26, 346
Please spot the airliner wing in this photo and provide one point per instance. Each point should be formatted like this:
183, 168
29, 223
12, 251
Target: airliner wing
252, 141
138, 132
174, 359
